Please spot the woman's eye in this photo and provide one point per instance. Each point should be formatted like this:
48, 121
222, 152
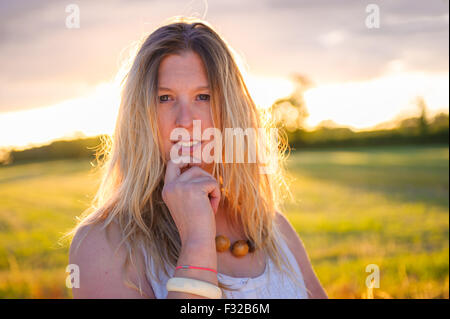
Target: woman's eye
164, 98
203, 97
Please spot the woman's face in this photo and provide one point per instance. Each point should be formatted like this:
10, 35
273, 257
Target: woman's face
183, 97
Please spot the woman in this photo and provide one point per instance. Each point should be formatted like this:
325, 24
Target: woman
160, 219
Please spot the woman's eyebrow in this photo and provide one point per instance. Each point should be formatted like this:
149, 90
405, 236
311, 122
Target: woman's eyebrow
162, 88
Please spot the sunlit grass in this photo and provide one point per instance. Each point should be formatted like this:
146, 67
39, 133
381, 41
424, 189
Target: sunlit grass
384, 206
375, 206
38, 203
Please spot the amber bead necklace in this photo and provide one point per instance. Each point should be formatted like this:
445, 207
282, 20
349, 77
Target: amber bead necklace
239, 248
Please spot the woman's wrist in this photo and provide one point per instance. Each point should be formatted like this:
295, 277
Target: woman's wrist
201, 254
199, 242
198, 253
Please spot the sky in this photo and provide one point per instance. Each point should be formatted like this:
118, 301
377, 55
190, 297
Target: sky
56, 81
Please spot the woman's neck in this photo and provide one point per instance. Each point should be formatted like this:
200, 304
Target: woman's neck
224, 228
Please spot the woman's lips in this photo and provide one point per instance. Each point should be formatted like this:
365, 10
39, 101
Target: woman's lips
188, 147
188, 143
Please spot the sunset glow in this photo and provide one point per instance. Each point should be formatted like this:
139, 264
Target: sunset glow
363, 105
96, 113
358, 105
90, 115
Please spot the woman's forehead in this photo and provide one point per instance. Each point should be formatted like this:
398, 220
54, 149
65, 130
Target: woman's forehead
184, 69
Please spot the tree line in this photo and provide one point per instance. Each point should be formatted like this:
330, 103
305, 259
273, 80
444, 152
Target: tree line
411, 131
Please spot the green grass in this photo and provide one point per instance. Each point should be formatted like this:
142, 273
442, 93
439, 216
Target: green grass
38, 203
384, 206
354, 207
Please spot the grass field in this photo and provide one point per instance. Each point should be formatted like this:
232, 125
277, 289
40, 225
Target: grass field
354, 207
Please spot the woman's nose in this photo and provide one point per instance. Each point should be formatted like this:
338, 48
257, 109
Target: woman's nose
184, 117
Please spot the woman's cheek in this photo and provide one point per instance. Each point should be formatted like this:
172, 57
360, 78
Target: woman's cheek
168, 150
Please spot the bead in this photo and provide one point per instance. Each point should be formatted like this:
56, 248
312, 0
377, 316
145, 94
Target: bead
251, 246
240, 248
222, 243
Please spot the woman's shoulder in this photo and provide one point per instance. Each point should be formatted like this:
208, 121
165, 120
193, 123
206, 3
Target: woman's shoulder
91, 239
285, 227
297, 248
100, 259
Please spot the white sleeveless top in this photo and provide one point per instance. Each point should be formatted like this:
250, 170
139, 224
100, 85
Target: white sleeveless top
271, 284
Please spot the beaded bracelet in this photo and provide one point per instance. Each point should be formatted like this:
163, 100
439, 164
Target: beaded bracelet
194, 267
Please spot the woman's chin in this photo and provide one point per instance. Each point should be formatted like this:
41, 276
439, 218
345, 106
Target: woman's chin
208, 167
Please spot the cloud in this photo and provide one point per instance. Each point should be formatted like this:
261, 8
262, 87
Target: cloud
325, 40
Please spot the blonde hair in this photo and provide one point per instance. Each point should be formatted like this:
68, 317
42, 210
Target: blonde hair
133, 164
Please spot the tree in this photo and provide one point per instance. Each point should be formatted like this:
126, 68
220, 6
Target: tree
290, 111
423, 122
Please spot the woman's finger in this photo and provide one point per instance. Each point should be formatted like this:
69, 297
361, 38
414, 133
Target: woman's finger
173, 169
210, 187
192, 172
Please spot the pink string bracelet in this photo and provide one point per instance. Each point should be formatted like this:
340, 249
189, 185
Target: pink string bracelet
194, 267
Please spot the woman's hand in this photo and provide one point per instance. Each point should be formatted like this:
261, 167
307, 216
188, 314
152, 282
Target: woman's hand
192, 198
